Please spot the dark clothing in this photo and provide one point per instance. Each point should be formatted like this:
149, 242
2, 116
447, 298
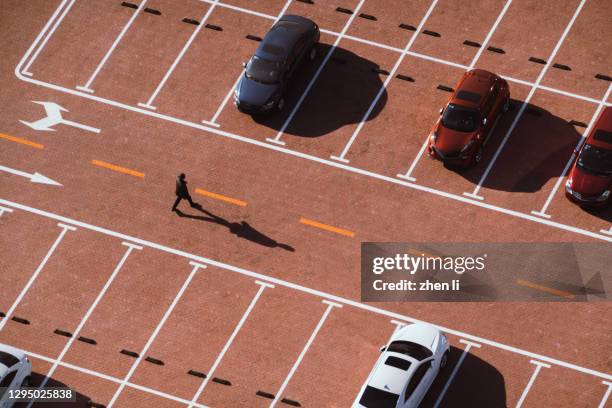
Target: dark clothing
182, 193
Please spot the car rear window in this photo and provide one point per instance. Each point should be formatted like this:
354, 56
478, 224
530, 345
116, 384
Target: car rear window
468, 96
8, 359
603, 135
411, 349
375, 398
398, 363
460, 118
273, 49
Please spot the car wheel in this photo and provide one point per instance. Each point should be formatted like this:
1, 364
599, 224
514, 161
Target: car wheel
478, 156
444, 360
313, 53
507, 105
281, 104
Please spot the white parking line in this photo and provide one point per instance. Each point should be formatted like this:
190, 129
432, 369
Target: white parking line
26, 70
474, 194
227, 98
604, 400
315, 76
247, 11
77, 331
211, 372
408, 174
542, 211
87, 86
607, 232
110, 378
413, 37
538, 367
4, 209
303, 289
466, 350
281, 390
126, 379
65, 229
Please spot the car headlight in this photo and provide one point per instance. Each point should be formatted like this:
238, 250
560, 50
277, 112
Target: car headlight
270, 104
467, 146
604, 196
236, 93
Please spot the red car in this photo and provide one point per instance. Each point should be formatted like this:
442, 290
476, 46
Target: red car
590, 180
466, 122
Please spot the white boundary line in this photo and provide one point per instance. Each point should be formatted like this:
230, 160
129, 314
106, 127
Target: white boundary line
602, 404
551, 57
160, 325
315, 76
26, 288
281, 390
4, 209
211, 372
413, 37
466, 350
536, 371
275, 281
77, 331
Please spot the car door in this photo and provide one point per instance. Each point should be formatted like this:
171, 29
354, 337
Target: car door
420, 380
5, 385
298, 53
488, 113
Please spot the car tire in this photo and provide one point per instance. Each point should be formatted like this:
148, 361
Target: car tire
444, 360
506, 107
312, 54
478, 156
280, 104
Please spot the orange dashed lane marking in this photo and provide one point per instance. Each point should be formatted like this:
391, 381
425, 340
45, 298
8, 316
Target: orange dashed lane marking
21, 141
117, 168
546, 289
326, 227
220, 197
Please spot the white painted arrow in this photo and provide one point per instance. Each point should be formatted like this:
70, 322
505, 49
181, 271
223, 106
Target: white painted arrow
34, 178
54, 117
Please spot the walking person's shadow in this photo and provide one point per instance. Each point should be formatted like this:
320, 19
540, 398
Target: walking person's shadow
241, 229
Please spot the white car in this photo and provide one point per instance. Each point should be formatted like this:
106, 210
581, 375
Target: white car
405, 369
15, 372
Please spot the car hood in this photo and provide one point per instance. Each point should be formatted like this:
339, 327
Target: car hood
255, 93
587, 183
420, 333
451, 141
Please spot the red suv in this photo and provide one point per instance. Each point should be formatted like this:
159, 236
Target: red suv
468, 119
590, 180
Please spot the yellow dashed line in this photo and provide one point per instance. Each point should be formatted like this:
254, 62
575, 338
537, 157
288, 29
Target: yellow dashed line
327, 227
546, 289
220, 197
117, 168
21, 141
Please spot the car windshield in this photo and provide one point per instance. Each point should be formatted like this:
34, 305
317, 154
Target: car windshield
596, 160
460, 118
264, 71
411, 349
375, 398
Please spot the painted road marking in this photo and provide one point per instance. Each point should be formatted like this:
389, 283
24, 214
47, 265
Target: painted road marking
4, 209
466, 350
398, 62
326, 227
546, 289
210, 373
602, 404
485, 43
54, 117
281, 390
22, 141
87, 86
538, 367
315, 77
117, 168
34, 178
26, 288
526, 102
220, 197
177, 298
130, 248
607, 232
275, 281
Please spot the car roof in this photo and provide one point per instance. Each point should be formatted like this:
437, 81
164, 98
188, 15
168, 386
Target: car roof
282, 37
390, 378
472, 88
601, 134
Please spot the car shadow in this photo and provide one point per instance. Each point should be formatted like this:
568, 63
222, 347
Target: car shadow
80, 400
476, 384
538, 149
240, 229
605, 213
340, 96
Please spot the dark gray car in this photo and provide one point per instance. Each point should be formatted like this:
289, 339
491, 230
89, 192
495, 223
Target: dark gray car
267, 74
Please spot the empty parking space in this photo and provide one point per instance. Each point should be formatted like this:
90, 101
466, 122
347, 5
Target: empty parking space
540, 28
136, 398
270, 7
329, 15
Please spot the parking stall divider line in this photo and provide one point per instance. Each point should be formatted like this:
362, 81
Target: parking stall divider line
5, 209
230, 340
87, 86
536, 371
183, 51
160, 325
110, 378
408, 174
542, 211
75, 335
56, 22
604, 399
213, 120
398, 62
247, 11
607, 232
26, 288
315, 76
315, 292
298, 361
526, 101
466, 350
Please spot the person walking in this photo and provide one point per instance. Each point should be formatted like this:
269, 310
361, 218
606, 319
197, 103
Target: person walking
182, 193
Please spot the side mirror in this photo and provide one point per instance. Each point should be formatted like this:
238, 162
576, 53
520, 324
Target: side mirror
244, 65
441, 111
484, 121
383, 348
